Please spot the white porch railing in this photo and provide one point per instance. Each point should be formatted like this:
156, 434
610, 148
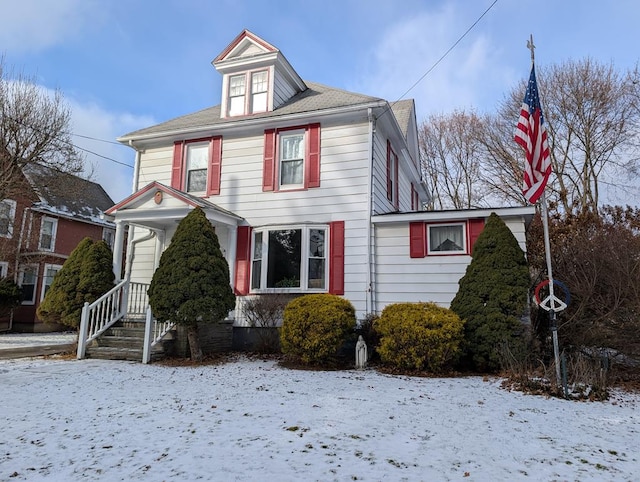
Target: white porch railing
125, 298
154, 331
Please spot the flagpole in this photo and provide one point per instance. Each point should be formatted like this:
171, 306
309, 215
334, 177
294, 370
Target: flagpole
547, 251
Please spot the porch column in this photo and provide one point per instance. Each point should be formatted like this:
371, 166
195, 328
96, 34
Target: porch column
161, 236
118, 245
231, 253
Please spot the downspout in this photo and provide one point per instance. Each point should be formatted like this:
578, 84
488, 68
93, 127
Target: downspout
131, 252
370, 294
132, 229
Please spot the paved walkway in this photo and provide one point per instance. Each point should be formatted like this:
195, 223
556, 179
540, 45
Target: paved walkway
20, 345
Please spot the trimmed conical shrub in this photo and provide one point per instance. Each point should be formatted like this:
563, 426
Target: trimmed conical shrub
492, 297
61, 304
192, 282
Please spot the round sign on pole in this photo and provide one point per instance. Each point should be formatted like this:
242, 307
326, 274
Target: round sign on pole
558, 304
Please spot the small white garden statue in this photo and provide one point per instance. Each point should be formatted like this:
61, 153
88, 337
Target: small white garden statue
361, 353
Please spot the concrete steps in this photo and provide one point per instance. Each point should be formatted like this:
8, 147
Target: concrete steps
124, 341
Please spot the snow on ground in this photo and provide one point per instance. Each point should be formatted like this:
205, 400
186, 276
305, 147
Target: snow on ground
22, 340
70, 420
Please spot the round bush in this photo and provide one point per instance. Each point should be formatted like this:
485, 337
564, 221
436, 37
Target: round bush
419, 336
314, 327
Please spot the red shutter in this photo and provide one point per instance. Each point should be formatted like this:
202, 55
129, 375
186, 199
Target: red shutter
475, 228
243, 260
336, 258
396, 190
268, 169
313, 156
177, 166
417, 240
215, 166
389, 187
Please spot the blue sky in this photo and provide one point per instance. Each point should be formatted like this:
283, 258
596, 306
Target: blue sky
123, 65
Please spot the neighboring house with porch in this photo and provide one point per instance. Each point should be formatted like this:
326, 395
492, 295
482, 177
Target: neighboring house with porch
40, 225
310, 188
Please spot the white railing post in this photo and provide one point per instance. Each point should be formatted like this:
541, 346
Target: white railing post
82, 335
148, 328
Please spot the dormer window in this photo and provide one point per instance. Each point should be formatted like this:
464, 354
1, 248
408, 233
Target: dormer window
239, 103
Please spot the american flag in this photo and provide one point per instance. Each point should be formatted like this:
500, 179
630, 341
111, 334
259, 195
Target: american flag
531, 134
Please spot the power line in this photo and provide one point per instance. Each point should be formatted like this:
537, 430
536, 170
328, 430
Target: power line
75, 145
447, 52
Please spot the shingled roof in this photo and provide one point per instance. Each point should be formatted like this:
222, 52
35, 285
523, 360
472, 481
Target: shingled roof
64, 194
316, 98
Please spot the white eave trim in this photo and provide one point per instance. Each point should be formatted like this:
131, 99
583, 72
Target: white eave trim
274, 121
434, 216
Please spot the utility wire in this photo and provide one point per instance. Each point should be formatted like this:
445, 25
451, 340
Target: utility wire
75, 145
443, 55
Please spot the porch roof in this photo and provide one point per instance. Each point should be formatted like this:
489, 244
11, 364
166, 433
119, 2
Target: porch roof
157, 205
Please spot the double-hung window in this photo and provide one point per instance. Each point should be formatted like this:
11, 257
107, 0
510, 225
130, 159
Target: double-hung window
259, 96
50, 270
196, 166
7, 217
27, 280
4, 269
48, 230
292, 152
292, 258
237, 90
256, 85
392, 176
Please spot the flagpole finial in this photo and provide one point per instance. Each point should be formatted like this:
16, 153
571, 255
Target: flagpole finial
531, 47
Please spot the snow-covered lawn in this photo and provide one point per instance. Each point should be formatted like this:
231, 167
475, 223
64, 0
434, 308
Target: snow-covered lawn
67, 420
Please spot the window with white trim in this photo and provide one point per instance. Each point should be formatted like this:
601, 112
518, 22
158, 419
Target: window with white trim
50, 270
256, 85
291, 258
48, 230
291, 167
446, 238
27, 280
4, 269
259, 95
196, 166
109, 236
7, 217
237, 89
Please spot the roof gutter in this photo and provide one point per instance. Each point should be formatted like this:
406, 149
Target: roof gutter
245, 123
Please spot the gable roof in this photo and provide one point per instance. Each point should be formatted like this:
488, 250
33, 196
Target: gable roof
317, 98
66, 195
402, 110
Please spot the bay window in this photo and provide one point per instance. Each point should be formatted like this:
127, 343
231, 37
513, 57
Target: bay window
289, 258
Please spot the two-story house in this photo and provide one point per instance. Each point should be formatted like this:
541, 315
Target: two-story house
39, 227
310, 188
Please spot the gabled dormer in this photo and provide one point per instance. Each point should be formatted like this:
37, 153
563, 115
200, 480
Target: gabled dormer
256, 77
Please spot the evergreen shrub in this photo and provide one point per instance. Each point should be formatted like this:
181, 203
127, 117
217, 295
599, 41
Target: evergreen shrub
315, 327
418, 336
10, 296
492, 297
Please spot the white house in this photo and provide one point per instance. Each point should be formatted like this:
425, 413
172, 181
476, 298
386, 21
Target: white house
311, 189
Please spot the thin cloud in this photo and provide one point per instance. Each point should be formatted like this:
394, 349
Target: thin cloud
34, 25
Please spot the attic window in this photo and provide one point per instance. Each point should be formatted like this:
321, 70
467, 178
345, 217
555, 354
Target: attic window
238, 102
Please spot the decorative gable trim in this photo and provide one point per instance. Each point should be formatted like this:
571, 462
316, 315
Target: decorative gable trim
242, 39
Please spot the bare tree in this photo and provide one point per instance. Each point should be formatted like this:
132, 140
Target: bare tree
451, 156
34, 128
592, 117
